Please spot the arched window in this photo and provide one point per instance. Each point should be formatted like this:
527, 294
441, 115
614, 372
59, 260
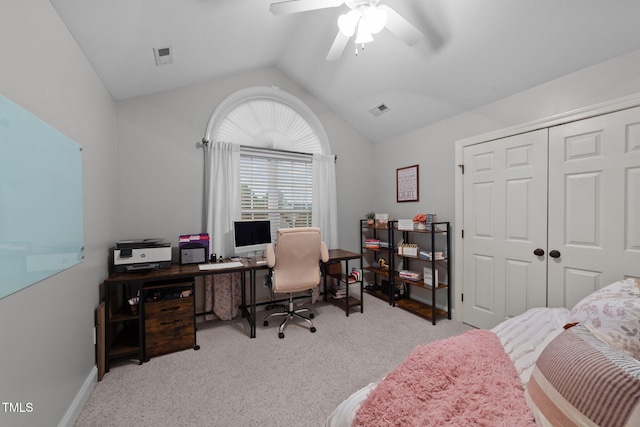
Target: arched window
282, 153
267, 117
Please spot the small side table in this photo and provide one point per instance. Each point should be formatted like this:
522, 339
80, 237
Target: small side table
336, 256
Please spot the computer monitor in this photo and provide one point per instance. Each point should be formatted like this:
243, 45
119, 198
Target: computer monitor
251, 236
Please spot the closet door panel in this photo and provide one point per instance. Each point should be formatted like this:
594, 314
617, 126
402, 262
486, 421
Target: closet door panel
593, 204
504, 222
632, 214
578, 283
632, 190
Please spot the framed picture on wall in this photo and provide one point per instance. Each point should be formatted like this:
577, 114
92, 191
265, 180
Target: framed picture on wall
407, 187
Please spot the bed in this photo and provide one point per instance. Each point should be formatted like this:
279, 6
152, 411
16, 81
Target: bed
547, 367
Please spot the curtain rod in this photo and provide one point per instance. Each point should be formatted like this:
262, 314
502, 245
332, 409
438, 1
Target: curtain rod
283, 151
206, 142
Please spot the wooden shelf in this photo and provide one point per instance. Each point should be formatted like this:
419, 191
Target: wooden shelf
340, 302
420, 283
378, 271
118, 351
125, 343
415, 230
342, 277
378, 294
379, 250
416, 307
374, 227
419, 308
417, 258
431, 239
184, 286
122, 314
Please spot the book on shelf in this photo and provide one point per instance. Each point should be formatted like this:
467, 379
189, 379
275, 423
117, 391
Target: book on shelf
430, 277
382, 220
405, 224
407, 249
431, 220
428, 255
371, 243
338, 291
414, 276
355, 276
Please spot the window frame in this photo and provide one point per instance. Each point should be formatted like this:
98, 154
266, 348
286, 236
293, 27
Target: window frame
274, 176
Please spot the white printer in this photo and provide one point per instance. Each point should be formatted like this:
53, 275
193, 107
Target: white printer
140, 255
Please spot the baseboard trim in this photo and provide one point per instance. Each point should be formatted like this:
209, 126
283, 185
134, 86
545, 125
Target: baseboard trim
80, 400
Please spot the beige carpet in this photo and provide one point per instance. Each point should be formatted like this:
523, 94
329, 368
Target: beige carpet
236, 381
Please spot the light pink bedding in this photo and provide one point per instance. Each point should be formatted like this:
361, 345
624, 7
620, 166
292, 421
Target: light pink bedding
459, 381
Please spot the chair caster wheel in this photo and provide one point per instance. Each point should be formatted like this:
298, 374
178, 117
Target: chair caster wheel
313, 329
310, 315
280, 335
265, 323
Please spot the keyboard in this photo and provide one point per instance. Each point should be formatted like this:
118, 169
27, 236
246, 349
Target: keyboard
221, 265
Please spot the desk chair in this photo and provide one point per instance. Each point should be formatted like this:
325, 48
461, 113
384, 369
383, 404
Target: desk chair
295, 267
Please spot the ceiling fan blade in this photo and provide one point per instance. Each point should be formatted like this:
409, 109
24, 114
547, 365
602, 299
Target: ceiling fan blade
402, 28
295, 6
340, 42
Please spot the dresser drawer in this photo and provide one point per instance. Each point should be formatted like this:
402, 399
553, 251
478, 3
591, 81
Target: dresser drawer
169, 326
168, 335
171, 307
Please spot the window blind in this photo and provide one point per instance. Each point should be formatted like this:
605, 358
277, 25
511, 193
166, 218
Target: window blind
277, 186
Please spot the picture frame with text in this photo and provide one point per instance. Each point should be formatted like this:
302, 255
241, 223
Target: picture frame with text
407, 184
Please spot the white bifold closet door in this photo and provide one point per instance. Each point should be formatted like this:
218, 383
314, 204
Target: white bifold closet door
505, 221
550, 216
594, 205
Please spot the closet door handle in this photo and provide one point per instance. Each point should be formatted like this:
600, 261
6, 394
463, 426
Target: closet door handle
538, 252
554, 254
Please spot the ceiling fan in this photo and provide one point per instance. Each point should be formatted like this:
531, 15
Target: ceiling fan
365, 18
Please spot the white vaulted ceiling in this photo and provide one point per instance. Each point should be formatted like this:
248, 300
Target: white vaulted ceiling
474, 52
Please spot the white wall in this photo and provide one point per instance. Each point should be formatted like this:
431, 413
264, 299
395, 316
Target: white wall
433, 146
160, 168
46, 330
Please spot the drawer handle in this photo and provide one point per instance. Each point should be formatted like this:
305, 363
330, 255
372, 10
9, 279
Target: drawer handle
170, 309
169, 323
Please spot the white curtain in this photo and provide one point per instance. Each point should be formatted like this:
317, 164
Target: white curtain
223, 194
222, 206
325, 204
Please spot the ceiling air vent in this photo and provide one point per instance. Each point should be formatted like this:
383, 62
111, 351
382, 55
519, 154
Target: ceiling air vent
376, 111
164, 55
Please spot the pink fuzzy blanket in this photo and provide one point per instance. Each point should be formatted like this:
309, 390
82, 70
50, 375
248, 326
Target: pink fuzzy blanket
467, 380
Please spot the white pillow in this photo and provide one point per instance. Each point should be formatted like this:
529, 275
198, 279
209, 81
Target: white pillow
526, 335
613, 315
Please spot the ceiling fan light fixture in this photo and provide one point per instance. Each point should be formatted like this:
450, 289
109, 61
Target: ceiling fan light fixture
375, 18
363, 35
348, 22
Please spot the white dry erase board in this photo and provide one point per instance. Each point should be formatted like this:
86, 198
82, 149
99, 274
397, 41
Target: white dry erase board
41, 221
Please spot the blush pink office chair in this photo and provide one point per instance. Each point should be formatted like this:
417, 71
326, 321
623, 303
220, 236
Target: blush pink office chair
295, 267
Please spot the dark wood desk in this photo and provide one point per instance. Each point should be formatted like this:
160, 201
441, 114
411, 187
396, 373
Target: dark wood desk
137, 281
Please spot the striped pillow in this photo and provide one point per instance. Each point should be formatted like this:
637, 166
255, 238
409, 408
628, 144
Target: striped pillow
580, 380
